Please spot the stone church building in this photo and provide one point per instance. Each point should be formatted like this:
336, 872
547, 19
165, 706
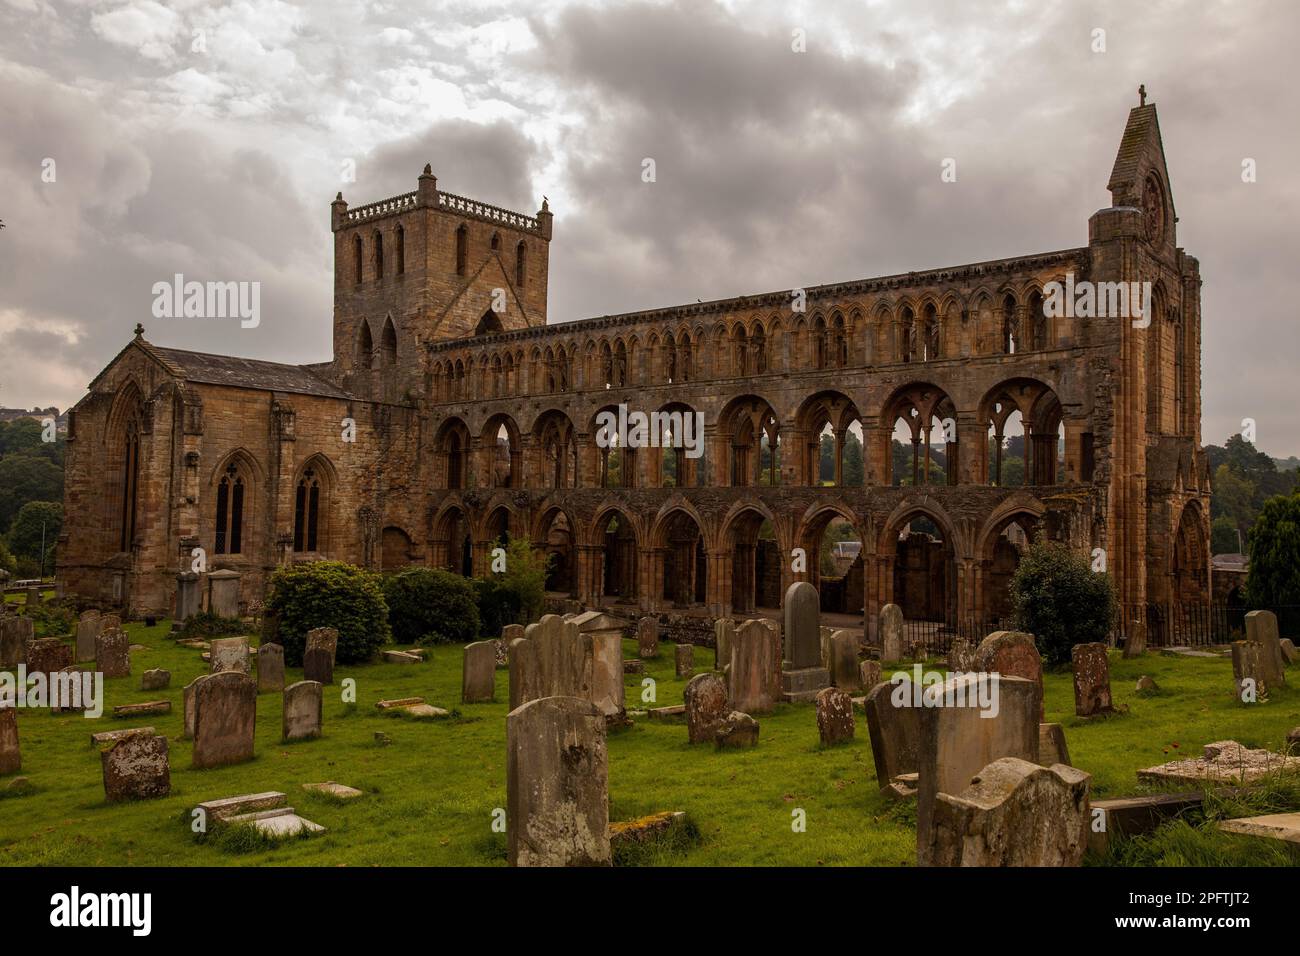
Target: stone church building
473, 418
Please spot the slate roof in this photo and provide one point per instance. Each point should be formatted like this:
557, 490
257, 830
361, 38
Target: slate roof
235, 372
1140, 121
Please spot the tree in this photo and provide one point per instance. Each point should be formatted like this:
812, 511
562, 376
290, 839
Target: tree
25, 478
1274, 544
1057, 597
1223, 536
25, 534
1233, 498
854, 466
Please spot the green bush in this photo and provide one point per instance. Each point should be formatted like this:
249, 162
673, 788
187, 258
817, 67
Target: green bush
52, 619
428, 606
1057, 597
207, 624
329, 594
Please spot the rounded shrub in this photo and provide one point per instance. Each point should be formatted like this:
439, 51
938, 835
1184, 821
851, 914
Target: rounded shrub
1058, 598
329, 594
429, 606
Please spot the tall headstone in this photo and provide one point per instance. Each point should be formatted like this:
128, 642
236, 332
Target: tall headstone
11, 759
1014, 813
225, 716
270, 668
88, 628
754, 660
223, 593
136, 767
891, 633
843, 657
1261, 626
684, 658
189, 596
15, 634
557, 797
511, 632
895, 729
607, 688
229, 654
523, 672
705, 698
303, 705
113, 652
803, 673
1091, 670
318, 658
724, 635
478, 674
647, 637
959, 740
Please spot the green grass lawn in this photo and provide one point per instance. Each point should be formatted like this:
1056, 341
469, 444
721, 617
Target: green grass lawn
431, 793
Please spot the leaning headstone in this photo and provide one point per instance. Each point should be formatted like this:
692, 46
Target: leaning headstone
724, 635
1011, 654
113, 653
11, 760
895, 729
478, 677
1289, 653
835, 721
189, 698
1014, 813
230, 654
891, 633
684, 658
47, 655
136, 767
225, 716
270, 668
1261, 626
302, 710
647, 637
1091, 679
88, 628
754, 659
557, 797
318, 658
958, 740
736, 730
15, 634
706, 706
156, 679
845, 672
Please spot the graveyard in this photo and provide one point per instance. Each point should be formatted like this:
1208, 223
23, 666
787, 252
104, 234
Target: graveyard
431, 786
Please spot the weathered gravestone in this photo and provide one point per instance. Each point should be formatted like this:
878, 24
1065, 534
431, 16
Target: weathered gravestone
88, 628
894, 726
478, 676
15, 634
1249, 670
845, 672
223, 592
1014, 813
189, 596
724, 635
318, 658
225, 716
891, 633
835, 721
270, 668
136, 767
33, 596
647, 637
1052, 748
1261, 626
706, 706
961, 737
1012, 654
803, 674
46, 655
229, 654
188, 699
1289, 653
824, 635
736, 730
684, 659
1091, 679
11, 760
113, 652
303, 704
557, 797
961, 656
754, 661
511, 632
523, 671
868, 674
156, 679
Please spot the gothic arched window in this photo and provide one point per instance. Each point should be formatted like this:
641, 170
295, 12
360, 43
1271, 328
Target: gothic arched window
462, 250
357, 258
521, 264
306, 512
230, 512
379, 254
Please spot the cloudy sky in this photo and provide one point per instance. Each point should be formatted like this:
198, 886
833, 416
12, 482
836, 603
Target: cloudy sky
209, 138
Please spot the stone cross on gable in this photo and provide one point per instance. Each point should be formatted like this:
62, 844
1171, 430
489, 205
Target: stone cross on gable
1142, 94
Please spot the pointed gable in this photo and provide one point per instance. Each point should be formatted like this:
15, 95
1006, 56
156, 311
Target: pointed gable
465, 311
1140, 151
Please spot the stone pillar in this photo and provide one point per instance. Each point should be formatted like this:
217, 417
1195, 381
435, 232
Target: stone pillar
189, 595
